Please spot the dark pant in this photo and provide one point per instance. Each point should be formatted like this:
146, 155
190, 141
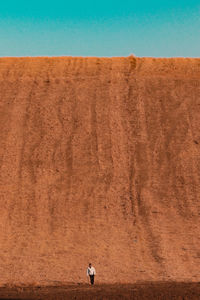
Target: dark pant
92, 279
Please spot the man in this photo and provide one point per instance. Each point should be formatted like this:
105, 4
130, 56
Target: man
91, 272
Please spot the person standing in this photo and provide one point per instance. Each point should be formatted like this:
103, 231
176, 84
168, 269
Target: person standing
91, 272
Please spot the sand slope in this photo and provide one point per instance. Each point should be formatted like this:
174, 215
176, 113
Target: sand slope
100, 162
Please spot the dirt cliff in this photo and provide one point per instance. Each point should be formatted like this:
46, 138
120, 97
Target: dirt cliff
100, 162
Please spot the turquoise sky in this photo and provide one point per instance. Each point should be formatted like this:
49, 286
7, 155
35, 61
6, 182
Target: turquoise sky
100, 28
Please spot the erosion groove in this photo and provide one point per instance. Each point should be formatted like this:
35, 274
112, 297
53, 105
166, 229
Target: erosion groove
100, 162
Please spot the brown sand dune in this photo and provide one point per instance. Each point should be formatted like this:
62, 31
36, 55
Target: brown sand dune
100, 162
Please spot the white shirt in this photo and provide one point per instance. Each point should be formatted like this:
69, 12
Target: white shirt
91, 271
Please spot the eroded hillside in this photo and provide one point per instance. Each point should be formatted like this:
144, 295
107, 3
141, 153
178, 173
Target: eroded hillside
100, 162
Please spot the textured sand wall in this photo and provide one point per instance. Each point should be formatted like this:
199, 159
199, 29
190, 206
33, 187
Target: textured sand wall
100, 161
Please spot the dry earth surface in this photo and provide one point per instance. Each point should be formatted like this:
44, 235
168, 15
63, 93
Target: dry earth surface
139, 291
100, 162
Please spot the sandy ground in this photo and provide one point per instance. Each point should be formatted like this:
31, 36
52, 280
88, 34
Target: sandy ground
140, 291
100, 162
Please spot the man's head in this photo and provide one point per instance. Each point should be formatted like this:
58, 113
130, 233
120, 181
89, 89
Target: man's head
90, 265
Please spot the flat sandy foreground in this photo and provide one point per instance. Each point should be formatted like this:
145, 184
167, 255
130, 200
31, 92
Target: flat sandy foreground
140, 291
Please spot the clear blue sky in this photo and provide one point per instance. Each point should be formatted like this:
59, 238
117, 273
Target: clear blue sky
158, 28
